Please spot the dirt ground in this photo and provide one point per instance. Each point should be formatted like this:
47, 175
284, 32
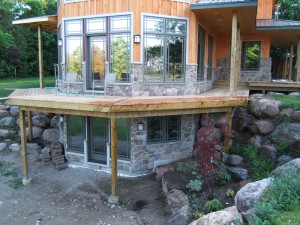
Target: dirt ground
74, 196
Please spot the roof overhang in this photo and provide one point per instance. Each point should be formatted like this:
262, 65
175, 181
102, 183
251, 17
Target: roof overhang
223, 4
47, 23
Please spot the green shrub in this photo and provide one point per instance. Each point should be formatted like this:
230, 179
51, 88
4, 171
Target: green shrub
288, 101
282, 148
230, 193
197, 214
213, 205
180, 168
194, 185
221, 178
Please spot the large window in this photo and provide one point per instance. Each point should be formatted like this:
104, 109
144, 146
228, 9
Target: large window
251, 55
164, 49
164, 129
76, 133
123, 134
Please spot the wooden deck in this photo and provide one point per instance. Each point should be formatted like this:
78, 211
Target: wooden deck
216, 100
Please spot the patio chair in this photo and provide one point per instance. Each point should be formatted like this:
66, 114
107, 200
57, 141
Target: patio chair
107, 85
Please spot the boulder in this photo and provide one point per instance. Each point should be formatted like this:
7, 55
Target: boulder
286, 133
33, 148
223, 217
54, 122
36, 132
3, 146
7, 122
173, 180
237, 173
293, 165
14, 110
18, 121
262, 127
294, 149
296, 117
270, 152
250, 193
4, 133
294, 94
264, 108
179, 204
51, 135
241, 119
255, 141
41, 120
218, 119
286, 113
232, 160
15, 147
4, 113
283, 160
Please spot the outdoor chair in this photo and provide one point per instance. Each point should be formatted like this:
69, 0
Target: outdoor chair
69, 84
108, 85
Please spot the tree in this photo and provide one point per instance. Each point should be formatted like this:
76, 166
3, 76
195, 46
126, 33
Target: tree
120, 57
75, 63
13, 57
289, 9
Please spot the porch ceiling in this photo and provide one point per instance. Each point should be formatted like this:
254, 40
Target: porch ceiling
219, 20
48, 23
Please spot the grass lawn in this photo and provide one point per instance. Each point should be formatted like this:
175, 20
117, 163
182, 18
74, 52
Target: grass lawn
7, 86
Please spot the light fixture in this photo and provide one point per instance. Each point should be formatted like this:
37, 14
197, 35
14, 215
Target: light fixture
137, 38
140, 126
59, 42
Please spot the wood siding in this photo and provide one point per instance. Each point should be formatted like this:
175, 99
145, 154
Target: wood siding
265, 9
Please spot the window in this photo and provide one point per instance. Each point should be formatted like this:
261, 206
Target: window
251, 55
123, 135
76, 134
210, 57
164, 129
201, 53
164, 49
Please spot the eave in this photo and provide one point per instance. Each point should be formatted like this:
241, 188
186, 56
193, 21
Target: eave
216, 5
48, 23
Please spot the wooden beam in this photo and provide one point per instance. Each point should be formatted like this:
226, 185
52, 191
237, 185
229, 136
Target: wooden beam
30, 136
238, 59
298, 61
285, 71
228, 132
291, 61
24, 145
41, 64
233, 53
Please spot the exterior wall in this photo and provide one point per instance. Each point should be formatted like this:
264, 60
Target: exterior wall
265, 9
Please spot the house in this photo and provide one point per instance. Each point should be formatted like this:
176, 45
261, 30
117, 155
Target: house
166, 55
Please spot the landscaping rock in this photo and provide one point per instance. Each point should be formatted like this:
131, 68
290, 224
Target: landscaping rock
33, 148
241, 119
180, 207
293, 165
255, 141
4, 133
223, 217
286, 113
15, 147
232, 160
264, 108
4, 113
262, 127
54, 122
51, 135
41, 120
270, 152
3, 146
14, 110
36, 132
294, 149
18, 121
294, 94
250, 193
7, 122
296, 117
286, 133
237, 173
283, 160
161, 170
173, 180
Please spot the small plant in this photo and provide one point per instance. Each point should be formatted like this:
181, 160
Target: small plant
282, 148
197, 214
213, 205
230, 193
221, 178
16, 183
193, 196
180, 168
194, 185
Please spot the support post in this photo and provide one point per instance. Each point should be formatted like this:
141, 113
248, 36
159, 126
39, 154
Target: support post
30, 136
298, 61
238, 59
41, 65
233, 53
26, 179
114, 199
291, 62
285, 72
228, 131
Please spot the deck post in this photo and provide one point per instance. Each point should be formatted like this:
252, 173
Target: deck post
30, 136
285, 75
238, 58
227, 131
291, 61
41, 65
26, 179
298, 61
114, 199
233, 53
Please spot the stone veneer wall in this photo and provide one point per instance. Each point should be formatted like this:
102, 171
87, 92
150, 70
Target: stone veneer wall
264, 74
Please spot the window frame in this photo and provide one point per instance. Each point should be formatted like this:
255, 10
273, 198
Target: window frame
83, 134
243, 55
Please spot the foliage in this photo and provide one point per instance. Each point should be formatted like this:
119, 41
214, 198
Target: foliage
288, 101
75, 62
194, 185
120, 57
5, 171
213, 205
230, 193
289, 9
282, 148
221, 178
197, 214
261, 166
180, 168
281, 202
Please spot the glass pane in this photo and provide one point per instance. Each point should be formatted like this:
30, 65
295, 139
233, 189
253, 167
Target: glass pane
153, 58
251, 53
154, 25
95, 25
155, 133
176, 27
73, 58
73, 27
123, 134
120, 23
173, 128
99, 127
201, 53
75, 133
210, 57
120, 56
98, 48
175, 59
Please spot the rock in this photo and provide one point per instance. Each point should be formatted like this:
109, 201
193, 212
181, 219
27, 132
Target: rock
294, 94
18, 122
180, 207
271, 93
4, 133
218, 119
270, 152
7, 122
54, 122
255, 141
283, 160
36, 132
41, 120
51, 135
160, 170
257, 96
237, 173
33, 148
262, 127
286, 133
4, 113
293, 165
249, 214
264, 108
46, 150
286, 113
233, 160
223, 217
296, 117
14, 110
173, 180
250, 193
241, 119
3, 146
15, 147
4, 107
